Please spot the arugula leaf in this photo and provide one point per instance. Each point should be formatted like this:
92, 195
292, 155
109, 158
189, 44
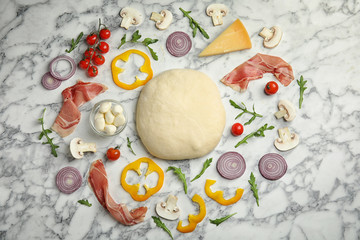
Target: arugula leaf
160, 224
244, 109
74, 43
221, 220
44, 133
148, 41
153, 54
194, 25
205, 166
129, 145
254, 187
257, 133
85, 202
123, 41
182, 177
136, 36
301, 83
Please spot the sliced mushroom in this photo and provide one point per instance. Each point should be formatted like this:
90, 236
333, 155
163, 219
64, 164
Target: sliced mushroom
217, 11
168, 210
287, 140
78, 147
271, 36
162, 19
286, 110
130, 17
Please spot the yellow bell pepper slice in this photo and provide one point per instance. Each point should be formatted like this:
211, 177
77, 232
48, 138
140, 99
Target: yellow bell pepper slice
194, 219
145, 68
134, 189
218, 196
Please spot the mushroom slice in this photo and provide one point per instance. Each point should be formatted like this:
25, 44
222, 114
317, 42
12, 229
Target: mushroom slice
78, 147
271, 36
168, 210
287, 140
130, 17
162, 19
286, 110
217, 11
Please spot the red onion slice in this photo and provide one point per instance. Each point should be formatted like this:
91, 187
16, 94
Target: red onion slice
231, 165
49, 82
272, 166
57, 75
68, 180
178, 44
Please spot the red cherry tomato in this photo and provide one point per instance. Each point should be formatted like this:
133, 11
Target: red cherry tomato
92, 39
89, 53
113, 154
92, 71
84, 64
98, 59
103, 47
237, 129
104, 33
271, 88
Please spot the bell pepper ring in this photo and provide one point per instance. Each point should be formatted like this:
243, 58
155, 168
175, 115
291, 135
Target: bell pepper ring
134, 189
218, 196
145, 68
194, 219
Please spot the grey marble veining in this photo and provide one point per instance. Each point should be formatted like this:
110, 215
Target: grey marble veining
318, 198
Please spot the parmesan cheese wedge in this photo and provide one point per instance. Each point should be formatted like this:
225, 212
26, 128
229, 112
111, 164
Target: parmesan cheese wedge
234, 38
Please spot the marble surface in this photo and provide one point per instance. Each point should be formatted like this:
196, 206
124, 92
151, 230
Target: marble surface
318, 198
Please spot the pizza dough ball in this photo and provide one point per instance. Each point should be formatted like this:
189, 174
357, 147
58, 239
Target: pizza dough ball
180, 115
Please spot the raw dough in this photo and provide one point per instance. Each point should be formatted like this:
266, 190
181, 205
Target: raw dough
180, 115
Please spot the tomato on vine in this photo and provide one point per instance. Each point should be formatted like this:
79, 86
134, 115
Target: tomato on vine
92, 39
93, 71
89, 53
98, 59
104, 33
103, 47
84, 64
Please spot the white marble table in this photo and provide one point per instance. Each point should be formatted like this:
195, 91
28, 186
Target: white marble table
318, 198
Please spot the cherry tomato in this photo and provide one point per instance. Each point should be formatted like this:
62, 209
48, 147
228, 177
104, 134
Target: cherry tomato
104, 33
92, 71
89, 52
98, 59
84, 64
103, 47
237, 129
271, 88
92, 39
113, 154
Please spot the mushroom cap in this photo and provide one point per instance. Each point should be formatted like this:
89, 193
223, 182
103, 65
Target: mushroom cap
289, 108
74, 148
168, 210
287, 140
271, 36
223, 9
165, 22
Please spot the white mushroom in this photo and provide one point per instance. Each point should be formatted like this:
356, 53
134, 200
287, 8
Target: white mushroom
162, 19
287, 140
168, 210
130, 17
286, 110
271, 36
78, 147
217, 12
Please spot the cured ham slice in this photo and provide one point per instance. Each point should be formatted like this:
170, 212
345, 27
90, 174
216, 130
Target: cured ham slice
99, 183
75, 96
254, 68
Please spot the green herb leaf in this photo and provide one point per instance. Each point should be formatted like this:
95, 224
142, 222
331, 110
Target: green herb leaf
205, 166
301, 83
146, 42
194, 25
245, 110
44, 133
179, 173
129, 145
75, 43
153, 54
136, 36
221, 220
254, 187
160, 224
85, 202
257, 133
123, 41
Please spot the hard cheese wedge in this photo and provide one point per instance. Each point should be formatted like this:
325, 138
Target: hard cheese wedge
234, 38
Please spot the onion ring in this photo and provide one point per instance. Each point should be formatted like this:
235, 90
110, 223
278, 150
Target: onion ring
49, 82
272, 166
57, 75
178, 44
68, 180
231, 165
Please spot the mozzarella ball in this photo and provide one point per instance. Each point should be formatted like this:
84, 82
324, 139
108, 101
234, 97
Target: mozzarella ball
119, 120
110, 129
105, 107
100, 124
109, 117
117, 109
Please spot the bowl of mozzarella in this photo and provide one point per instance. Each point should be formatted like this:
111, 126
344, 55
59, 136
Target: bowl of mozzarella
108, 118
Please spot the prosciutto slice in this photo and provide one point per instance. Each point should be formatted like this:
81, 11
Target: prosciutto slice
74, 97
254, 68
99, 183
